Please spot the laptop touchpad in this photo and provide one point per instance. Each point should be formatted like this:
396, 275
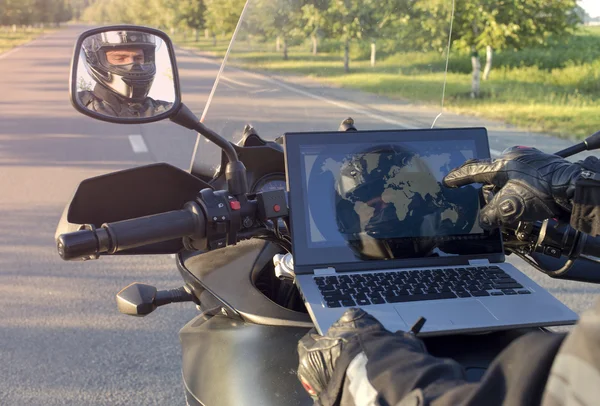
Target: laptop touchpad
446, 314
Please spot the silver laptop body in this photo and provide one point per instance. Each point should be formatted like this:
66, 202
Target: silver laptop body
459, 282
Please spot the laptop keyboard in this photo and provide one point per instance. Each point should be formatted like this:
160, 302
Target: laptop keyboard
412, 286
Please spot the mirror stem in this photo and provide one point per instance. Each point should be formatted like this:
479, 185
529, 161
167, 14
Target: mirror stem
186, 118
235, 172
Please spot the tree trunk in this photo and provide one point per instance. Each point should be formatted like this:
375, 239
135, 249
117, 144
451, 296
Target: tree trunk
476, 73
285, 49
214, 40
278, 44
489, 53
206, 33
197, 34
347, 56
315, 44
373, 54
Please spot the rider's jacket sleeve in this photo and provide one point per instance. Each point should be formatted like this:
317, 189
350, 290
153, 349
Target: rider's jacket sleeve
575, 375
389, 372
586, 203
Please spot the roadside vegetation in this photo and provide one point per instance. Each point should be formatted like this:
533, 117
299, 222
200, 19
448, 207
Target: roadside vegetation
10, 39
553, 88
528, 62
23, 20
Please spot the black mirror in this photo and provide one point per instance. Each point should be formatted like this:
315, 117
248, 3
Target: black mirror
125, 74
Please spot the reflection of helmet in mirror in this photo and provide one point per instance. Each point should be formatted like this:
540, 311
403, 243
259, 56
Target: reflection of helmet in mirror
123, 62
384, 196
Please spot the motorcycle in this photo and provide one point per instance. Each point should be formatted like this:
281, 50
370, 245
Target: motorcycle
232, 250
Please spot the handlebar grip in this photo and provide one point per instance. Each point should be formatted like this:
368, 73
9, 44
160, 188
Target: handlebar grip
127, 234
591, 246
152, 229
78, 244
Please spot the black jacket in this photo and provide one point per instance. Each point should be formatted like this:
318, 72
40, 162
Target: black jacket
103, 101
536, 369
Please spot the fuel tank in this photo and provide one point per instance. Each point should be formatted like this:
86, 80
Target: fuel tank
228, 362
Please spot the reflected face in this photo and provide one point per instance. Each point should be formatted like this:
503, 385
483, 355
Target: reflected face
125, 56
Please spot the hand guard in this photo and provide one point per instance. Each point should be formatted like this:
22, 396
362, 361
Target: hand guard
528, 185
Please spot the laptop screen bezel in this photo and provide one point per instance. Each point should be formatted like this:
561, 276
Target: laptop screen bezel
306, 258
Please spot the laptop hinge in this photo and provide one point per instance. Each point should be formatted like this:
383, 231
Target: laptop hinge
479, 262
325, 271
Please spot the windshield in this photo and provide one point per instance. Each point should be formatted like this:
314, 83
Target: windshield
296, 65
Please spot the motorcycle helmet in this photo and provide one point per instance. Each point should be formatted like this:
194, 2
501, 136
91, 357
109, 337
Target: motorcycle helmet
128, 80
388, 203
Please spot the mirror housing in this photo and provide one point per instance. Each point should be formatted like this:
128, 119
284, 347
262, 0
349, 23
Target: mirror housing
125, 74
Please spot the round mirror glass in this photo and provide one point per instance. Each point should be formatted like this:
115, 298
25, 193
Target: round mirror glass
124, 74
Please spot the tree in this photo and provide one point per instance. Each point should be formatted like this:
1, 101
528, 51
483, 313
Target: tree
276, 19
19, 12
389, 22
350, 20
313, 16
500, 24
191, 15
77, 7
221, 16
29, 12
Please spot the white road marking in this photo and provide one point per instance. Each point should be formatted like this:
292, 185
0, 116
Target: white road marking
330, 101
495, 152
137, 144
308, 94
263, 91
237, 82
12, 51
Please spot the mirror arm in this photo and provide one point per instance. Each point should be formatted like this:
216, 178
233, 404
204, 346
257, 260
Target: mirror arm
186, 118
235, 172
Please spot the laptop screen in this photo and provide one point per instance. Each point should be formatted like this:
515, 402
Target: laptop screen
368, 196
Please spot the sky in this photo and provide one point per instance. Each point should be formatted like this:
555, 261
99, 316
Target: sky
591, 6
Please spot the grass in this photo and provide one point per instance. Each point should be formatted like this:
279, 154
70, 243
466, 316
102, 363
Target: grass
10, 39
553, 89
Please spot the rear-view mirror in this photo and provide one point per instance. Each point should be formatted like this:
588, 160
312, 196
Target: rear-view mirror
125, 74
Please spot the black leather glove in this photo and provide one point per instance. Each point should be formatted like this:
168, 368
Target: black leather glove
324, 359
527, 184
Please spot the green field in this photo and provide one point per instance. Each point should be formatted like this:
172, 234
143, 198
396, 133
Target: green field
10, 39
553, 89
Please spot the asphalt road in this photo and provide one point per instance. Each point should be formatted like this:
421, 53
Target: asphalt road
62, 340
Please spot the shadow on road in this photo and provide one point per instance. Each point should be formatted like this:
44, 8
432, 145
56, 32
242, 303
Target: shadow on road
63, 340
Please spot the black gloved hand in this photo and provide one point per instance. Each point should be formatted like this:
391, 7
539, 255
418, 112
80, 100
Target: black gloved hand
528, 185
320, 355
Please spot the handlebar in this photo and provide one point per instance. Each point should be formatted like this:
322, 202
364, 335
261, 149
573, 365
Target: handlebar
534, 241
214, 220
591, 246
127, 234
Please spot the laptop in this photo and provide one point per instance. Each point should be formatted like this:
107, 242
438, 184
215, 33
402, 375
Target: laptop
373, 227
